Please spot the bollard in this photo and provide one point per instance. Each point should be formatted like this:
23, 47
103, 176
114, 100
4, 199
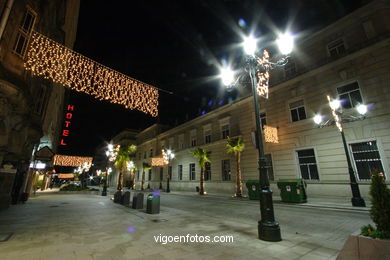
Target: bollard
118, 196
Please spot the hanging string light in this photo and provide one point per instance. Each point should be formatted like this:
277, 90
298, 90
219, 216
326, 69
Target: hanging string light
271, 134
75, 161
263, 75
51, 60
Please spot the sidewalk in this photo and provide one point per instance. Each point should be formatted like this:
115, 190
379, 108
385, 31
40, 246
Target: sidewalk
317, 202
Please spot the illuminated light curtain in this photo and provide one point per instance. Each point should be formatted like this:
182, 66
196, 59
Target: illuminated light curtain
51, 60
263, 75
271, 134
158, 161
74, 161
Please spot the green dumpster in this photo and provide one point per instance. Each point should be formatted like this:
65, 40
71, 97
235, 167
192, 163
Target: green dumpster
253, 189
292, 190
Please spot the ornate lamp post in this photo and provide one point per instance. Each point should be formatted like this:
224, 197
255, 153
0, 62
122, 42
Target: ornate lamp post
335, 106
168, 155
258, 68
110, 153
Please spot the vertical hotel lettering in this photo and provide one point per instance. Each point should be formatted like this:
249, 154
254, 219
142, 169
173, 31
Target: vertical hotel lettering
68, 118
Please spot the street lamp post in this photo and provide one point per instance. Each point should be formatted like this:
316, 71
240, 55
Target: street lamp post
268, 228
109, 154
168, 155
335, 104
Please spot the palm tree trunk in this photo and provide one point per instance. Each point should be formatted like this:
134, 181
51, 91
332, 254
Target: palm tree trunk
132, 179
238, 177
143, 180
120, 180
201, 191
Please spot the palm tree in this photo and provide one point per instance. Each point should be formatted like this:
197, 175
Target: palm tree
145, 167
236, 146
122, 158
203, 156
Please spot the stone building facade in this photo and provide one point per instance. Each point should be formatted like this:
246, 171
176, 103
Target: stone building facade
30, 107
350, 60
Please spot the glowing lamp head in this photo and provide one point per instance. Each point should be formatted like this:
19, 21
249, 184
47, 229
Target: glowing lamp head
110, 147
285, 43
91, 177
335, 104
317, 119
362, 109
172, 155
227, 76
109, 170
169, 151
250, 45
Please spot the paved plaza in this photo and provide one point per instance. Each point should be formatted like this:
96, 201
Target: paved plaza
78, 226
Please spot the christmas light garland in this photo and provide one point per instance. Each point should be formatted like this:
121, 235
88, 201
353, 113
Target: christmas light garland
74, 161
263, 75
54, 61
271, 134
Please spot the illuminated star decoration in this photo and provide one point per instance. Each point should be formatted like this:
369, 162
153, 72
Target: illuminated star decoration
54, 61
263, 75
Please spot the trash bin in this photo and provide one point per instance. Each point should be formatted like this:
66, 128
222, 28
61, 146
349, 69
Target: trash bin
118, 196
153, 204
138, 201
292, 190
253, 187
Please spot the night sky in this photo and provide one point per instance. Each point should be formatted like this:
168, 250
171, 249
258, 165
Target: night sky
176, 46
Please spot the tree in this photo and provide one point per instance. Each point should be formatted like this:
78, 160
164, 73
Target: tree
122, 158
236, 146
203, 156
380, 199
145, 167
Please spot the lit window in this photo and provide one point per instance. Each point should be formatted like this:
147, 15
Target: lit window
307, 164
297, 110
225, 131
226, 173
40, 94
367, 159
336, 48
24, 32
192, 171
350, 95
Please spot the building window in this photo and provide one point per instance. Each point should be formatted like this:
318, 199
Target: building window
290, 68
225, 131
207, 136
297, 110
369, 29
24, 32
170, 172
336, 48
207, 172
350, 95
151, 153
268, 165
226, 173
367, 159
263, 120
192, 171
161, 173
193, 141
149, 175
144, 155
137, 174
40, 95
139, 156
307, 164
181, 141
180, 172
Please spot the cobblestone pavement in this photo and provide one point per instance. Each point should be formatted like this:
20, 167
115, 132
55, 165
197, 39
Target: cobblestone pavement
78, 226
